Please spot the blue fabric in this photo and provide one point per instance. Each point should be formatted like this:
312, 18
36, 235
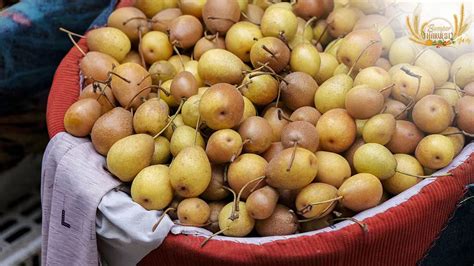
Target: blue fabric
455, 245
31, 45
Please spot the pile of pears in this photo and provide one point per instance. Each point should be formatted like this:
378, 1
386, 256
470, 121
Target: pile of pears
251, 117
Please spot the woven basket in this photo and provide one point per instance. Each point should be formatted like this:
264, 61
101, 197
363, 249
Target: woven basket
401, 230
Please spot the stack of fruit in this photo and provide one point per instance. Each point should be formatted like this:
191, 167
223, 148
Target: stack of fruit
212, 110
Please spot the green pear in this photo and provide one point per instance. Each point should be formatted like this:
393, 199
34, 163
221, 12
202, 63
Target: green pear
379, 129
190, 172
375, 159
183, 137
151, 188
332, 93
128, 156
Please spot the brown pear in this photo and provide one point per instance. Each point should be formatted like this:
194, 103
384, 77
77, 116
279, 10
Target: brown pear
273, 151
220, 15
302, 134
256, 133
102, 94
360, 48
81, 116
465, 114
205, 43
282, 222
183, 86
395, 108
215, 190
363, 102
405, 139
96, 66
306, 113
223, 146
297, 90
130, 83
270, 50
276, 122
262, 202
432, 114
111, 127
162, 20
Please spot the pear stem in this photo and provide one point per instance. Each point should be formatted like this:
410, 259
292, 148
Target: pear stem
360, 56
387, 87
135, 18
295, 146
317, 216
234, 213
268, 50
424, 176
412, 74
72, 33
117, 75
144, 89
140, 52
171, 120
322, 34
213, 235
309, 206
102, 94
419, 54
161, 218
282, 115
363, 226
228, 19
462, 132
179, 55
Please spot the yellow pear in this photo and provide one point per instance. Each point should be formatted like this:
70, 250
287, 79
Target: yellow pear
327, 66
151, 188
241, 226
435, 64
162, 151
462, 69
183, 137
219, 65
435, 151
400, 182
332, 93
109, 41
375, 159
333, 169
128, 156
305, 58
379, 129
190, 172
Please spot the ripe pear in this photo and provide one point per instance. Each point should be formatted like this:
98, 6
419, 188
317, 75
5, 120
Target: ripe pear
326, 68
462, 69
224, 146
375, 159
215, 190
162, 151
342, 20
283, 221
128, 156
314, 193
305, 58
363, 102
402, 50
276, 21
151, 7
449, 91
379, 129
360, 49
161, 21
151, 117
120, 19
429, 58
155, 46
257, 134
151, 188
270, 50
129, 92
161, 71
80, 117
193, 211
183, 137
406, 87
286, 172
239, 227
102, 94
332, 93
240, 39
219, 65
96, 66
465, 114
261, 89
245, 168
337, 130
221, 106
458, 140
109, 41
435, 151
262, 202
432, 114
300, 133
361, 192
406, 137
298, 90
401, 182
375, 78
219, 16
111, 127
205, 44
190, 110
192, 7
190, 172
333, 169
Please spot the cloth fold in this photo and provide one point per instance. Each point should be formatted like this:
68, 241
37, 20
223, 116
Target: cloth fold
74, 182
